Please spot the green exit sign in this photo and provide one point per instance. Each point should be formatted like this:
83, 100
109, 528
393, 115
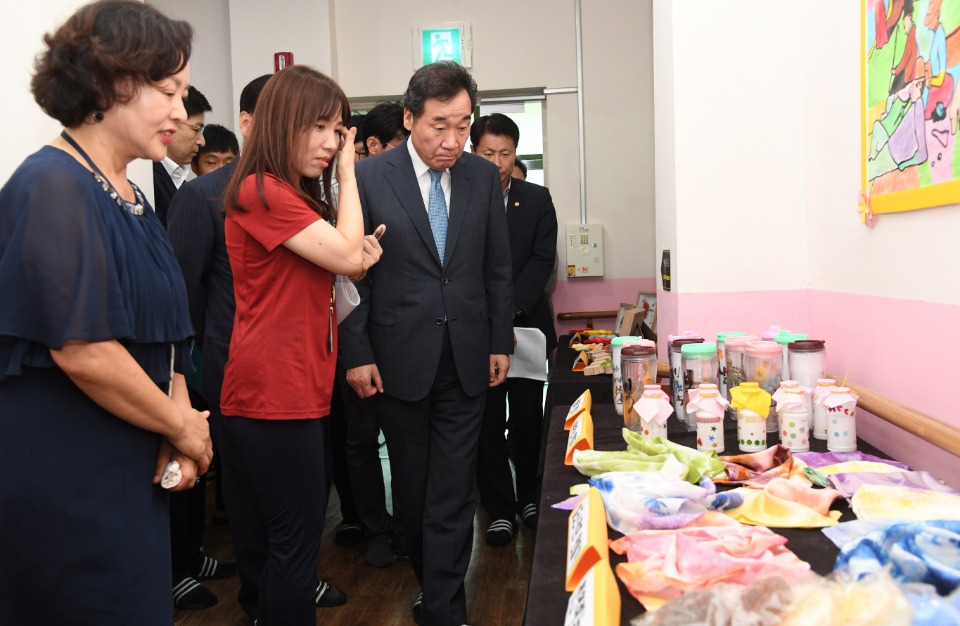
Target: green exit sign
446, 41
441, 44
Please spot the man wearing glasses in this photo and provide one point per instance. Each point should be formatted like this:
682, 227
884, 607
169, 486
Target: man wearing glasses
175, 170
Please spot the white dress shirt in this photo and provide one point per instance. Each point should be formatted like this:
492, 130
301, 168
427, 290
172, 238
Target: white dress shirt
179, 174
422, 170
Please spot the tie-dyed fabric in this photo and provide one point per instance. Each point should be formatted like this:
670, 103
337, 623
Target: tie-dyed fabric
819, 459
904, 503
650, 455
929, 608
643, 501
821, 475
786, 503
847, 484
875, 601
662, 564
926, 552
759, 468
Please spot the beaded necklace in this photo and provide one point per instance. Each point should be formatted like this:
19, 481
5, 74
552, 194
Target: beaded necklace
133, 208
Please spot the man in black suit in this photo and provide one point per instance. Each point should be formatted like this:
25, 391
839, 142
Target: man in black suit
196, 232
532, 222
174, 170
433, 328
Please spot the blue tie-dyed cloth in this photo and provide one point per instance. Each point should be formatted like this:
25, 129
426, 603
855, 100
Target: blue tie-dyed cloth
927, 552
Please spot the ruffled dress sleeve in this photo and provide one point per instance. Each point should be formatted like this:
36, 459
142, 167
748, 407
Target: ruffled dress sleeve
76, 266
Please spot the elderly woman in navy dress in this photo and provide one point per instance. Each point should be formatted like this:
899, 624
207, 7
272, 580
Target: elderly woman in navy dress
94, 333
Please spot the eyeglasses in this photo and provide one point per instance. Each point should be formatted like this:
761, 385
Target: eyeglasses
196, 129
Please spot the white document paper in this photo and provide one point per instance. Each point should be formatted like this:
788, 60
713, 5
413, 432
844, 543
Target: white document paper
529, 358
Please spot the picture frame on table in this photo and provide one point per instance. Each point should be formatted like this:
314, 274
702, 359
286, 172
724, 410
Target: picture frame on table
618, 327
647, 300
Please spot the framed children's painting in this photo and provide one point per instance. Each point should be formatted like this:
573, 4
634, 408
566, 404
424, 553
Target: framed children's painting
910, 109
647, 300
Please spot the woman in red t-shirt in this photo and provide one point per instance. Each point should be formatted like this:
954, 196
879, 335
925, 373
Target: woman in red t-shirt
285, 253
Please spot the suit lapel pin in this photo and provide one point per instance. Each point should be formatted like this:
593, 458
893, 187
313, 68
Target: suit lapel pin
516, 203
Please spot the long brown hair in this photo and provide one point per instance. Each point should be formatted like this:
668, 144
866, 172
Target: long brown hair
292, 101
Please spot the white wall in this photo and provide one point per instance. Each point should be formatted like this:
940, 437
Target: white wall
210, 58
24, 127
739, 163
366, 45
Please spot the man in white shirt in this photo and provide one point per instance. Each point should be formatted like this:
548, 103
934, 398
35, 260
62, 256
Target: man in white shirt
175, 170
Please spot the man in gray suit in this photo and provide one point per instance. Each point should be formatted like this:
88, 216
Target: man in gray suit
434, 327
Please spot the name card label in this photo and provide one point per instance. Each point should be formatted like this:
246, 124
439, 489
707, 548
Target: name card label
596, 600
583, 403
580, 436
586, 537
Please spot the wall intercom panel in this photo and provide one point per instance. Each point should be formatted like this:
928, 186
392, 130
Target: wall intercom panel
584, 246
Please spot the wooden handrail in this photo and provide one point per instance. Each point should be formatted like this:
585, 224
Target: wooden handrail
932, 431
587, 316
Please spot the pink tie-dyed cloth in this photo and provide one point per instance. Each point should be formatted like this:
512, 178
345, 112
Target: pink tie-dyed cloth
663, 564
759, 468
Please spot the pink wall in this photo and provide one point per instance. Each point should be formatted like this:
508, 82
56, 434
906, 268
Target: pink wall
596, 294
906, 350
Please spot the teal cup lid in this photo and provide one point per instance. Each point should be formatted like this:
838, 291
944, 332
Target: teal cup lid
785, 338
707, 348
723, 336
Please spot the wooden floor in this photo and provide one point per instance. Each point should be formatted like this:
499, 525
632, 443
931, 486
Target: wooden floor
496, 582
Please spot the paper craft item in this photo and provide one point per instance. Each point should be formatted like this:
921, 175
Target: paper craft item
580, 436
707, 398
529, 355
583, 403
648, 415
596, 600
586, 537
784, 385
841, 405
581, 362
750, 396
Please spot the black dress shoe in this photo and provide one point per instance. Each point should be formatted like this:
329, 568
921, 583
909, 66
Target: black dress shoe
379, 552
348, 534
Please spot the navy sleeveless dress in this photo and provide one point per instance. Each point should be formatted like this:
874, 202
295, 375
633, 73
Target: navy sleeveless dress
84, 534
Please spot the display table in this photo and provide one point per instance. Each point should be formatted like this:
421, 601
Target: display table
546, 597
566, 385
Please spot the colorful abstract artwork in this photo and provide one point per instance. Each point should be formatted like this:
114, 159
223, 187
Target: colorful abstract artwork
910, 74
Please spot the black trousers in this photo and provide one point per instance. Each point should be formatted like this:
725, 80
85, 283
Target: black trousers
275, 478
525, 397
188, 511
337, 449
433, 447
362, 459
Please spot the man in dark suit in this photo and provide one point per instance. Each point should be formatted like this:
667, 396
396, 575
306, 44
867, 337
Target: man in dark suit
433, 329
174, 170
532, 222
196, 232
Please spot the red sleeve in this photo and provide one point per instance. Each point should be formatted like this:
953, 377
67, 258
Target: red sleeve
286, 216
